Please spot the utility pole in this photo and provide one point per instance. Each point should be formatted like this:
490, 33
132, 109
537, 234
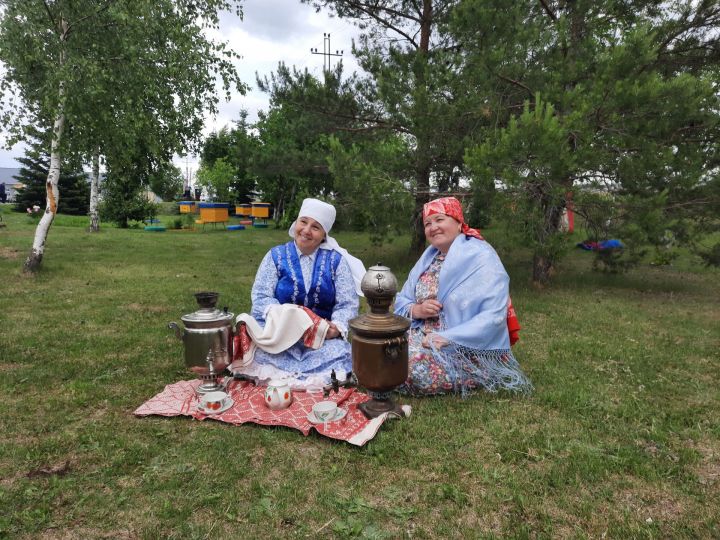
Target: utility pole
327, 54
186, 182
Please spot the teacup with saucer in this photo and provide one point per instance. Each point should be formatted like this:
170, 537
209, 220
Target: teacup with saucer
215, 403
324, 412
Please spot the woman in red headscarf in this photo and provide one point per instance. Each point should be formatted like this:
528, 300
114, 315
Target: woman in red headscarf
463, 323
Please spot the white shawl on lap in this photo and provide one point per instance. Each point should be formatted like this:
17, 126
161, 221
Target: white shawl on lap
285, 324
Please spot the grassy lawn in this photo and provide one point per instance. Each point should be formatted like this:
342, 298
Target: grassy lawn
621, 438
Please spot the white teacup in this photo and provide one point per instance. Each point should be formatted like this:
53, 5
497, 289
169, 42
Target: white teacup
325, 411
213, 401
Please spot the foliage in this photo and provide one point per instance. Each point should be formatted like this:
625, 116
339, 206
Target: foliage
369, 197
528, 156
111, 75
73, 182
633, 99
621, 437
122, 203
416, 89
217, 180
238, 146
166, 181
291, 159
125, 191
160, 90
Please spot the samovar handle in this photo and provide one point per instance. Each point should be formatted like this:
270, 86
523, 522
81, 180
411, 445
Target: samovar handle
392, 347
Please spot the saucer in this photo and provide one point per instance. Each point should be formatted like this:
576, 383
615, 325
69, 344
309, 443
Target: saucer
227, 403
338, 416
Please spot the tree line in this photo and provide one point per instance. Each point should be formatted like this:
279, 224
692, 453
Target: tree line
517, 108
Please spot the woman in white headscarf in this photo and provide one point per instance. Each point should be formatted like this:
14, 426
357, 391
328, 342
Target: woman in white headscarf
312, 271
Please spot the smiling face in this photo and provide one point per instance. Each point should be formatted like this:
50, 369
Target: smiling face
309, 234
441, 231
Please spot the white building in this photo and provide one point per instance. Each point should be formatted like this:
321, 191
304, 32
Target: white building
11, 184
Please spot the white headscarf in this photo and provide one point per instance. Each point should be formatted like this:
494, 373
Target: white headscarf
324, 214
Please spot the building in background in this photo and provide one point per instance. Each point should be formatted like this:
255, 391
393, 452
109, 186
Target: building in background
11, 184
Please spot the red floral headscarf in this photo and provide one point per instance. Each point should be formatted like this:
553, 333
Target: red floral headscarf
450, 206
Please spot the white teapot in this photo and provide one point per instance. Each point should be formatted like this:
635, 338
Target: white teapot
278, 395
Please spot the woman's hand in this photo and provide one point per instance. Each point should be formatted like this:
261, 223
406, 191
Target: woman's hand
333, 331
438, 341
426, 310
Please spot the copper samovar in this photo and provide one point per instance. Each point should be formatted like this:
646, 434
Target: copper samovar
379, 343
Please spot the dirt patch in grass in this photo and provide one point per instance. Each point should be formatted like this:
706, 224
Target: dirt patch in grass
83, 532
8, 253
647, 503
8, 481
708, 469
257, 457
9, 367
151, 308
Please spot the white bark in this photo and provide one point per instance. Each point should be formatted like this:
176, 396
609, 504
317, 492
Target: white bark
95, 194
32, 263
52, 193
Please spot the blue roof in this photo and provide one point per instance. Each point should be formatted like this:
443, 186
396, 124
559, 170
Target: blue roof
214, 205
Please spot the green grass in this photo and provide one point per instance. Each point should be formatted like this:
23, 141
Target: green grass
620, 439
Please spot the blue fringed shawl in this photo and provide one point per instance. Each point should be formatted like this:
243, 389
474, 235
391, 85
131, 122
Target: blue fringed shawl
474, 292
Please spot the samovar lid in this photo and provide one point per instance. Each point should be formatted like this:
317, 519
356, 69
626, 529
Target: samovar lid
379, 286
207, 313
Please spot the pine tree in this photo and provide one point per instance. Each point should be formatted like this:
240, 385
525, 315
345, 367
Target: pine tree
33, 175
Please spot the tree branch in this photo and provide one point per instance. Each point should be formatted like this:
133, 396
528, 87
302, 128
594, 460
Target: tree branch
548, 10
91, 15
515, 83
50, 15
372, 11
368, 7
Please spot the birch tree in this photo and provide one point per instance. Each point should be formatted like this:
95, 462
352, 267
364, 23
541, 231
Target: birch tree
113, 70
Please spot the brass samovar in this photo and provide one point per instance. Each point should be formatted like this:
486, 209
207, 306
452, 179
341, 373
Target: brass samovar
380, 343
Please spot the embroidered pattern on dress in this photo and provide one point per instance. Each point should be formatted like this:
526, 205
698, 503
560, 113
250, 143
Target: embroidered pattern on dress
293, 275
321, 271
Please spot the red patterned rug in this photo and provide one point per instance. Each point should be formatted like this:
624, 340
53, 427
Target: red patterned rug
179, 399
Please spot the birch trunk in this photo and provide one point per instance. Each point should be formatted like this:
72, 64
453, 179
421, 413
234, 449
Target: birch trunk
32, 263
52, 193
95, 194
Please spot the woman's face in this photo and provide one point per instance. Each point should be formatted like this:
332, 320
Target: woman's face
309, 234
441, 231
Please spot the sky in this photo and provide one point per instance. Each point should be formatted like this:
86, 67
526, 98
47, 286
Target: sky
270, 31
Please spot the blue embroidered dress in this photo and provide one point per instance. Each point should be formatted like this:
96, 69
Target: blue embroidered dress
322, 282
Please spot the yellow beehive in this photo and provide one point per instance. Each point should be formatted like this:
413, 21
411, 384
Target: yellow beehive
261, 210
243, 210
187, 207
214, 212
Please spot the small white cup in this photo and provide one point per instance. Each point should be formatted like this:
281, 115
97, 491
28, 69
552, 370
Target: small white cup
213, 401
325, 411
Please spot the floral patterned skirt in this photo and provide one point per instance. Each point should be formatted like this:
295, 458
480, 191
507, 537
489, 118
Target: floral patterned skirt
457, 369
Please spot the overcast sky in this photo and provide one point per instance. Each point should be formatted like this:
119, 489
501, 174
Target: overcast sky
270, 31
